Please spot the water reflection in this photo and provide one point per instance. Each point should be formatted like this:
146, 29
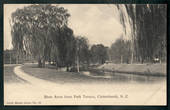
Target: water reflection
123, 77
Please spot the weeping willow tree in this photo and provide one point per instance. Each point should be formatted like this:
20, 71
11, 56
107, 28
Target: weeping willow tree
147, 30
36, 30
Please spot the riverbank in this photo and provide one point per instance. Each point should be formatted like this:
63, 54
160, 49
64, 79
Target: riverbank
140, 69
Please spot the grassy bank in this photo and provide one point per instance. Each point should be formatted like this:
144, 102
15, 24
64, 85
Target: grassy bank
141, 69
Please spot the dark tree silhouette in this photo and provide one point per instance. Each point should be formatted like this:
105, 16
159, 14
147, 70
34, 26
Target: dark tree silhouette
33, 29
148, 27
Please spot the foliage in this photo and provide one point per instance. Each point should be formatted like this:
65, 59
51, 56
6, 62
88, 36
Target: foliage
148, 28
99, 53
37, 29
120, 51
82, 48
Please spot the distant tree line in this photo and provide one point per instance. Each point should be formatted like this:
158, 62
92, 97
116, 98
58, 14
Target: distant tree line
120, 51
9, 57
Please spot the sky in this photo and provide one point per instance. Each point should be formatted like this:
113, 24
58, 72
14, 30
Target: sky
97, 22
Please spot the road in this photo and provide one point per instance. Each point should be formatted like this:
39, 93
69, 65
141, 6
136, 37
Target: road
27, 89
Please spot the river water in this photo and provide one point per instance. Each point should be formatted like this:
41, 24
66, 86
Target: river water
123, 77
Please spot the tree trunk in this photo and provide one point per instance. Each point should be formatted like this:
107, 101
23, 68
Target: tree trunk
10, 58
49, 61
67, 68
43, 63
56, 65
17, 59
78, 64
131, 58
121, 59
160, 59
39, 63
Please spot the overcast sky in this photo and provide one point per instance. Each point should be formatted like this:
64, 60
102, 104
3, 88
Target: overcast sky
98, 22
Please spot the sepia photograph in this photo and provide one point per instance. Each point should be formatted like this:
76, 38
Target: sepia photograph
85, 54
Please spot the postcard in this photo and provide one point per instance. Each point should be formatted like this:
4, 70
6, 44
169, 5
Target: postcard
85, 54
